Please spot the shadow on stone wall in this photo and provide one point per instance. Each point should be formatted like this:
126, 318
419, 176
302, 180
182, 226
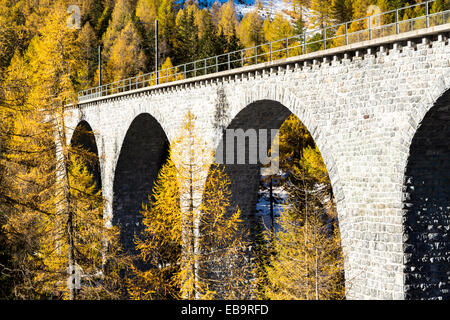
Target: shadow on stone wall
83, 138
144, 151
427, 207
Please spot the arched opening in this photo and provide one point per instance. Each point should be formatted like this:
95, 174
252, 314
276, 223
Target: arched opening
250, 186
245, 178
143, 152
427, 206
83, 143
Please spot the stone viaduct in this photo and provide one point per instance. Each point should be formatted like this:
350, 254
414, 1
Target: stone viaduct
378, 110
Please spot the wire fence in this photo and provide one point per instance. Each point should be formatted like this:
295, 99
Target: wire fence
410, 18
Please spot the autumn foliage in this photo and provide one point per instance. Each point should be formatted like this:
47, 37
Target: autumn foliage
194, 244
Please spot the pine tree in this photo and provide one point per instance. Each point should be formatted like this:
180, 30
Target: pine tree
342, 10
187, 41
299, 26
233, 44
91, 11
298, 6
103, 21
88, 45
323, 13
209, 42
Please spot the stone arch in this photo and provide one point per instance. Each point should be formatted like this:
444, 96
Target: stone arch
287, 98
267, 113
287, 103
263, 114
83, 138
143, 152
426, 203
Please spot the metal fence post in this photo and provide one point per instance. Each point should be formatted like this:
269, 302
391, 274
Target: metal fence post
287, 47
229, 65
304, 42
427, 12
324, 33
270, 51
242, 58
346, 33
397, 29
256, 55
369, 24
217, 64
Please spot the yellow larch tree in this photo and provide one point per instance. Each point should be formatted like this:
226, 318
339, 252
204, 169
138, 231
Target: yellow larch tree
278, 29
167, 73
194, 241
227, 21
122, 14
146, 12
298, 6
322, 13
250, 33
202, 19
307, 259
127, 57
159, 245
98, 256
250, 30
53, 207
